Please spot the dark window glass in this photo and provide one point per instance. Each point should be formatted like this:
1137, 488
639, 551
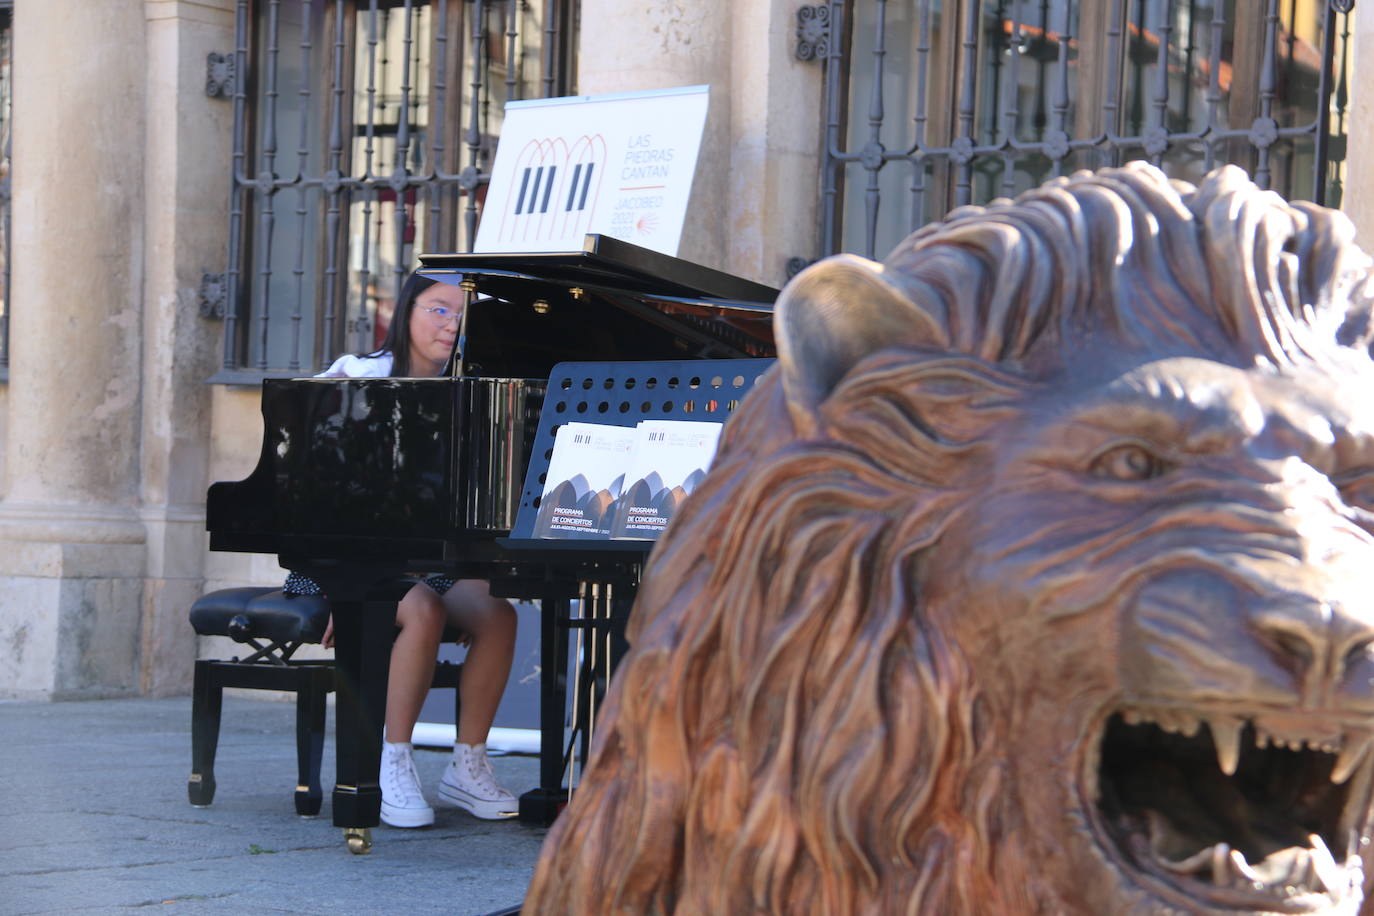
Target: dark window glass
363, 136
940, 103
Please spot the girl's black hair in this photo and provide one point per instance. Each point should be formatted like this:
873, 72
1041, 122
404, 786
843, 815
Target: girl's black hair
398, 334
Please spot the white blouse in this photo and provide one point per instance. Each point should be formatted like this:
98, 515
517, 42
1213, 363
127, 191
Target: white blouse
350, 366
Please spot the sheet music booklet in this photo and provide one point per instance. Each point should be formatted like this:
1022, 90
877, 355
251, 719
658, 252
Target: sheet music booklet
622, 482
585, 477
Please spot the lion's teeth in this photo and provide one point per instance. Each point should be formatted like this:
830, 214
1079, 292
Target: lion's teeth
1226, 736
1221, 865
1300, 873
1329, 874
1354, 865
1190, 865
1352, 754
1243, 869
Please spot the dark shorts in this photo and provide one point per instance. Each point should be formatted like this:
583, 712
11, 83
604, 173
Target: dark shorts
296, 584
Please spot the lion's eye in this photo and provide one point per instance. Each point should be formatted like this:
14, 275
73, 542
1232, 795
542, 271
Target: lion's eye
1129, 462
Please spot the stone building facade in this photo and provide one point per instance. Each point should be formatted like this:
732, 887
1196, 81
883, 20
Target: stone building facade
112, 429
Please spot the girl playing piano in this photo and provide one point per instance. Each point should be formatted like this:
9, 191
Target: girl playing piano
419, 342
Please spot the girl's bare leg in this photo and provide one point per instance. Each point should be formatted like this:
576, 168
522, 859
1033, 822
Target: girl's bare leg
420, 617
490, 625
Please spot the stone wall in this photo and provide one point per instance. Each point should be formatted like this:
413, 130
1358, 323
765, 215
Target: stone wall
1359, 176
119, 201
757, 182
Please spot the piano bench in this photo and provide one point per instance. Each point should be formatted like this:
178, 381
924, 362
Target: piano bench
274, 625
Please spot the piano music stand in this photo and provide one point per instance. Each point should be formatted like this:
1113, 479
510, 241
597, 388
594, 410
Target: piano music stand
602, 574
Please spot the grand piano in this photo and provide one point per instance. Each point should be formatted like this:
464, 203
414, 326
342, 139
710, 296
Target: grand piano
363, 483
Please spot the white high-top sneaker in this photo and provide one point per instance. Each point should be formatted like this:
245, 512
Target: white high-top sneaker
469, 783
403, 804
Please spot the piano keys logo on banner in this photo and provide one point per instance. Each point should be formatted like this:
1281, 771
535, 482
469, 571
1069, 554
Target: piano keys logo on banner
557, 188
619, 165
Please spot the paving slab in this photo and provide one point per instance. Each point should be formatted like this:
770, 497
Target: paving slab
94, 819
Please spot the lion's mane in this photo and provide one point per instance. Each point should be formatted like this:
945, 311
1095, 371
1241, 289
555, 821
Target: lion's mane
794, 729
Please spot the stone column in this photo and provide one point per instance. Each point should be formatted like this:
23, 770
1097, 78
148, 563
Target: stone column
778, 118
1359, 175
120, 178
72, 548
754, 196
188, 141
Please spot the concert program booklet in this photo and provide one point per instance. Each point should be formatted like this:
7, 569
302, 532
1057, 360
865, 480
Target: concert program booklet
586, 474
670, 458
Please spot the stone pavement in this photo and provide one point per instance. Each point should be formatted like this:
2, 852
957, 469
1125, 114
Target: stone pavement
94, 819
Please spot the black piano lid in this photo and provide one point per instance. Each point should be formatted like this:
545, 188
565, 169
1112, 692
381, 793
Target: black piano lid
610, 264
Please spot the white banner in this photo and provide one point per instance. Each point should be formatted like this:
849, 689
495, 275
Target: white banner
618, 165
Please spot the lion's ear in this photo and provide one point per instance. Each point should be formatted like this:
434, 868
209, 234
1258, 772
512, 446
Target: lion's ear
831, 316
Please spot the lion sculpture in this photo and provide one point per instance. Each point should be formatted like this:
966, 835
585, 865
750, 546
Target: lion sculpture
1037, 577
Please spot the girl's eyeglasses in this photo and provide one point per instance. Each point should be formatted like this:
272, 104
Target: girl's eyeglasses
441, 314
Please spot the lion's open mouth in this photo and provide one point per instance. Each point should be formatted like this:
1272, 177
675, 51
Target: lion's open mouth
1259, 818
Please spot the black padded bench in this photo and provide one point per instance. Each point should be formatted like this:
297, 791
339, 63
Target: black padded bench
274, 625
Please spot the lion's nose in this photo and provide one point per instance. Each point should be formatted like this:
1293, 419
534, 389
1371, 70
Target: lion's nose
1322, 644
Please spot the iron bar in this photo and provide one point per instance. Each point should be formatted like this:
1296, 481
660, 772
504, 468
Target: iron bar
1156, 140
830, 171
333, 186
400, 173
438, 111
1324, 89
1218, 26
302, 164
551, 37
1342, 94
1016, 44
266, 179
1058, 146
369, 192
1189, 56
1268, 77
238, 187
918, 139
474, 134
873, 152
1117, 56
6, 186
512, 10
964, 140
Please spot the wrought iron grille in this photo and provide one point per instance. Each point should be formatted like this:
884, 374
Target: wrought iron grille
932, 104
363, 135
6, 94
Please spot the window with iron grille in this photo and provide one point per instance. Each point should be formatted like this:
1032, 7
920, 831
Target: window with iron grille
932, 104
363, 135
6, 94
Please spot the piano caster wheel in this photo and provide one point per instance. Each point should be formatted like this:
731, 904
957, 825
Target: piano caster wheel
359, 840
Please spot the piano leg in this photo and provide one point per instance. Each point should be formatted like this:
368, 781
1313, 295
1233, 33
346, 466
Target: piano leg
541, 805
363, 633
